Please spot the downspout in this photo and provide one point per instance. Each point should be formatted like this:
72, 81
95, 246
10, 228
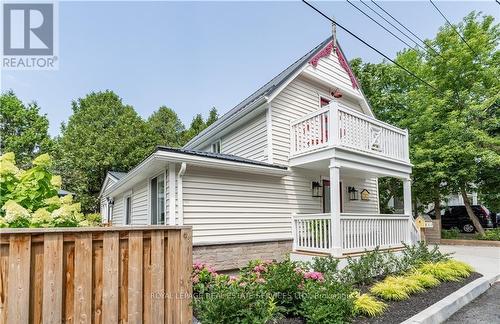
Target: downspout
180, 199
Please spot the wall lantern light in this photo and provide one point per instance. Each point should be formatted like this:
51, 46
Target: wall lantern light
316, 189
353, 193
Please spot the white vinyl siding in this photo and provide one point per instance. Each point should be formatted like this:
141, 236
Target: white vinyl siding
329, 70
299, 98
140, 204
118, 212
248, 140
360, 206
225, 206
140, 209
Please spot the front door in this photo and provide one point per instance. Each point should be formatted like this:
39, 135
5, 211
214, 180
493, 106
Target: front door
326, 196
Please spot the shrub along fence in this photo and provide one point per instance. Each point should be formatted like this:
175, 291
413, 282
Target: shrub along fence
96, 275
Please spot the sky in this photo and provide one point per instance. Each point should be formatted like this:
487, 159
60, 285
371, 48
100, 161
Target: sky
191, 56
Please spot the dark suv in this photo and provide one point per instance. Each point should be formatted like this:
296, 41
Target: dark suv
456, 216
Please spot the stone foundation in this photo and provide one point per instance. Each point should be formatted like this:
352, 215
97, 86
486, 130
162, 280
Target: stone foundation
236, 255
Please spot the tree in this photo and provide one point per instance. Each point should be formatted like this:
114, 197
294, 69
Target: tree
167, 126
102, 134
213, 115
453, 145
198, 124
24, 131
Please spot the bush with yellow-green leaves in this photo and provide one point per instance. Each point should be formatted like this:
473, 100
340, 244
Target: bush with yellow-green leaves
28, 198
426, 276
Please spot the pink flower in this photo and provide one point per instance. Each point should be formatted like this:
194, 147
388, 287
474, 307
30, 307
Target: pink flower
195, 279
243, 284
259, 268
260, 280
314, 275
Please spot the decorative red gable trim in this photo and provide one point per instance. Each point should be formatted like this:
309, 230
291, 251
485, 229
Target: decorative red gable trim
323, 53
326, 52
347, 68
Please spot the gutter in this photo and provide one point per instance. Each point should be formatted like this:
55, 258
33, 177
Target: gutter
180, 199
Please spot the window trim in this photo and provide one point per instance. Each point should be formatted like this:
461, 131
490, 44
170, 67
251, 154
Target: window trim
150, 197
127, 196
217, 142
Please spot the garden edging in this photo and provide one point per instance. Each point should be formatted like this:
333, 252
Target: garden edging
446, 307
470, 242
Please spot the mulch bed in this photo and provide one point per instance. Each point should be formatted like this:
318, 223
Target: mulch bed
399, 311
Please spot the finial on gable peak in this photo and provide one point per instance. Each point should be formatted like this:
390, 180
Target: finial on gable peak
334, 33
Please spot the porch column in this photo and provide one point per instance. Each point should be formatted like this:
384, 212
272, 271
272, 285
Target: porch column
336, 248
407, 206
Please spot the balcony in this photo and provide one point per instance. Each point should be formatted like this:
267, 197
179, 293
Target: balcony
351, 130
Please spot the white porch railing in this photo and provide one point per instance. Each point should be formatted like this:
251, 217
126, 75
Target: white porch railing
352, 129
362, 232
311, 232
358, 232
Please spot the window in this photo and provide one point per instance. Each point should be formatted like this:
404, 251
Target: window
323, 102
128, 210
326, 197
109, 210
216, 146
158, 200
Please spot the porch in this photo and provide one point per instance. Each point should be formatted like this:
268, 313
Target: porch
354, 233
336, 139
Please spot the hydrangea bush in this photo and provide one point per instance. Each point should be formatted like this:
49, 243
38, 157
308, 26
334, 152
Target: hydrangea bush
28, 198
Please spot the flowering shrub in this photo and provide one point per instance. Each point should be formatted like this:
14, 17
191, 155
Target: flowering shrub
28, 198
267, 290
202, 277
327, 302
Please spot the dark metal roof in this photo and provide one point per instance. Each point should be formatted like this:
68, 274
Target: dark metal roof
269, 87
117, 175
219, 156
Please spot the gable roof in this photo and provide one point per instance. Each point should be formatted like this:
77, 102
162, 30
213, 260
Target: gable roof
117, 175
266, 89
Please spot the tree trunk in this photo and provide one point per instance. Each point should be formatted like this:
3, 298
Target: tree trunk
470, 212
437, 207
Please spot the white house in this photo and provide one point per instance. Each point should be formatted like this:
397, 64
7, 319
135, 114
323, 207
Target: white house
293, 167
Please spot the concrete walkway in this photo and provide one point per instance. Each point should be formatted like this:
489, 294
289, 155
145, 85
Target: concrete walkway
485, 309
485, 260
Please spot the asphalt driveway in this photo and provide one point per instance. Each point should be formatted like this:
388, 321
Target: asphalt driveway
485, 309
484, 259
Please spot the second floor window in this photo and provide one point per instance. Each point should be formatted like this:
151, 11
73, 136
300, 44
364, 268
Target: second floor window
216, 147
158, 200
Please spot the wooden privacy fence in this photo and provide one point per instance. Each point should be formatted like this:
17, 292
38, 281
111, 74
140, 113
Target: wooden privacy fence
96, 275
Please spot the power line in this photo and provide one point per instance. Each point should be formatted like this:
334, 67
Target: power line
370, 46
453, 27
408, 30
386, 29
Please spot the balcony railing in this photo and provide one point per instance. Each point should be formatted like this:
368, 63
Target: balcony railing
358, 232
351, 129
